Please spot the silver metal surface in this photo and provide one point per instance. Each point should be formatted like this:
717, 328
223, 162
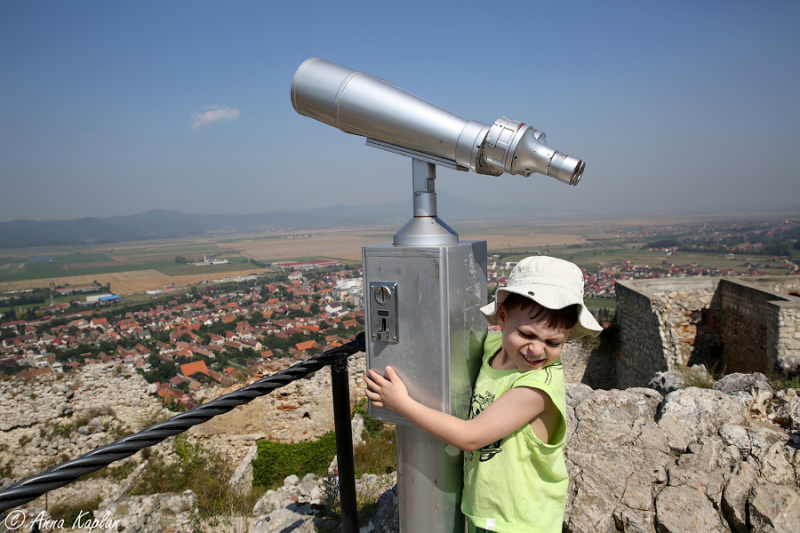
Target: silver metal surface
501, 141
440, 290
531, 155
425, 231
421, 156
429, 483
361, 104
423, 179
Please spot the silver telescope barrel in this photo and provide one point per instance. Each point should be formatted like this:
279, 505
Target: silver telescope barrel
361, 104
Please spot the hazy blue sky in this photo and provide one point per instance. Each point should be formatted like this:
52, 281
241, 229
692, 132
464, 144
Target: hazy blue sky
121, 107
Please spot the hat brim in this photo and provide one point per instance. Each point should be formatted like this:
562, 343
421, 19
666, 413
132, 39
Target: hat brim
551, 298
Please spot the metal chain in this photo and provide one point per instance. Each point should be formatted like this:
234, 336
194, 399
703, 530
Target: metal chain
65, 473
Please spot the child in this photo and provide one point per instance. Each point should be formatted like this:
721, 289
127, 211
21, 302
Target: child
515, 478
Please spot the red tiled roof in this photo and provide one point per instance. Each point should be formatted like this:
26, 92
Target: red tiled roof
307, 345
192, 368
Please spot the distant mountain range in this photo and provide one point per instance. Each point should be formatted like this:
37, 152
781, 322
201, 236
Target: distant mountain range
161, 224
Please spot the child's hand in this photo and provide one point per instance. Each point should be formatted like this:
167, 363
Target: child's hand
387, 390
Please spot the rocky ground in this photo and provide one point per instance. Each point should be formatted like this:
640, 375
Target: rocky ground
696, 460
725, 459
47, 421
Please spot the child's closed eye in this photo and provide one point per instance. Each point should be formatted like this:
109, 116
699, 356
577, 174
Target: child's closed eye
532, 336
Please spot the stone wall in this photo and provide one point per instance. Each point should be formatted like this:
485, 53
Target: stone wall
659, 322
641, 341
689, 317
743, 325
787, 338
591, 361
760, 323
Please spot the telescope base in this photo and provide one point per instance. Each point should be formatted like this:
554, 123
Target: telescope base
425, 231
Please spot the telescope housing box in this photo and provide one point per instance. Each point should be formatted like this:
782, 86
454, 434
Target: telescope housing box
423, 318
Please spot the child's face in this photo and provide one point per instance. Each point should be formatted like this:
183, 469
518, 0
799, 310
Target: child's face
529, 344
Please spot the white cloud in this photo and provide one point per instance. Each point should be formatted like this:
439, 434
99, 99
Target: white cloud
215, 113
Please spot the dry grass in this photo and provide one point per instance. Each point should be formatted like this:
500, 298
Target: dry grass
347, 243
344, 244
141, 285
125, 282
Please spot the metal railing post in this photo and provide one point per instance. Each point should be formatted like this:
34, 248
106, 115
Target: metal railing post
344, 445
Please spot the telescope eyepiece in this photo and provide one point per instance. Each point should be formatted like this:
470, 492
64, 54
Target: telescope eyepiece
532, 154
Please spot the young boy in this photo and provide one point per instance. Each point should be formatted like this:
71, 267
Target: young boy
515, 479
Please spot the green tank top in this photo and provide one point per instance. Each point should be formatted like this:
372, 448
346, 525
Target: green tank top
519, 483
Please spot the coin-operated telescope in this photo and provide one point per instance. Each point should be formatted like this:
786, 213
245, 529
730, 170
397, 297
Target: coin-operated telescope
423, 292
397, 121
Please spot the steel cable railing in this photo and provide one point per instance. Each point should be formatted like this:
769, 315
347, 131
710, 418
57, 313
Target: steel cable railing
65, 473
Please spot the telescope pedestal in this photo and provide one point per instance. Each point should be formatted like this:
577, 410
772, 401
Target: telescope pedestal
425, 229
423, 318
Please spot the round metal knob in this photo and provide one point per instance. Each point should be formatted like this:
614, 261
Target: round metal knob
382, 295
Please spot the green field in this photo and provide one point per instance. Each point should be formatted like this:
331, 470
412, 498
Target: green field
307, 258
72, 259
175, 269
187, 250
600, 303
593, 256
51, 269
64, 265
57, 300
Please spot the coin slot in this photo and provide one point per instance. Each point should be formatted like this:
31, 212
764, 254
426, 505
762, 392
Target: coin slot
382, 308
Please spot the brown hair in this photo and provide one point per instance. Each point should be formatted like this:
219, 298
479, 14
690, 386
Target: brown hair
553, 318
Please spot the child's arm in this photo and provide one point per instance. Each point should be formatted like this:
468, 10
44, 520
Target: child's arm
514, 409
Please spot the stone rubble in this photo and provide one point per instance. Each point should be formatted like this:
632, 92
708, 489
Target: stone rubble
672, 380
61, 417
722, 459
695, 460
311, 490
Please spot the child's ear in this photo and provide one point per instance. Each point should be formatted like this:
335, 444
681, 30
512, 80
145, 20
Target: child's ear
501, 316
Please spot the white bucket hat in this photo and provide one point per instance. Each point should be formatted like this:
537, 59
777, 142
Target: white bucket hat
552, 283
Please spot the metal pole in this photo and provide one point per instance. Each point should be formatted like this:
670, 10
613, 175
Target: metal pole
344, 445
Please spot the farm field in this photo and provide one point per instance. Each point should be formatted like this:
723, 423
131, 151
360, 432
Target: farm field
129, 268
136, 267
127, 282
139, 266
346, 244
